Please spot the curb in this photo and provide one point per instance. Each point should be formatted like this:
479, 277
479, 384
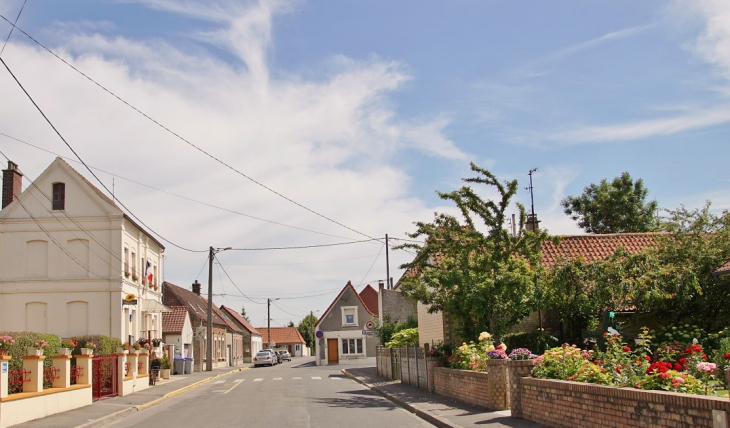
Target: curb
428, 417
105, 420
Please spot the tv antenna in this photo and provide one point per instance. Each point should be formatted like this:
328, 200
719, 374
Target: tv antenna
532, 199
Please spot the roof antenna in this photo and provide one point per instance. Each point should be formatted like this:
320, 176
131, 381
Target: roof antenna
532, 221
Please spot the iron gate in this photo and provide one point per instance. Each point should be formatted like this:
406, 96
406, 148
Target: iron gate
104, 377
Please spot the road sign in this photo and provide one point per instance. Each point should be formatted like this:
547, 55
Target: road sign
369, 332
369, 325
319, 334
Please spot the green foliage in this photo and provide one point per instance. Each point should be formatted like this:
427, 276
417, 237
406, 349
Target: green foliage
105, 345
561, 363
165, 363
26, 339
306, 329
537, 342
406, 337
616, 207
483, 280
243, 313
389, 327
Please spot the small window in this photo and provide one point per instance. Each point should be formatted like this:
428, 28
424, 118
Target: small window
349, 316
352, 346
59, 196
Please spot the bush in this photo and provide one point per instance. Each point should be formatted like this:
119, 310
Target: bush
390, 327
105, 345
404, 337
535, 341
165, 363
25, 339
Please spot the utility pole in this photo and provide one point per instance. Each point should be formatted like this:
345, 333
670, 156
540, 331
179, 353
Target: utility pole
209, 338
532, 220
311, 321
387, 264
268, 321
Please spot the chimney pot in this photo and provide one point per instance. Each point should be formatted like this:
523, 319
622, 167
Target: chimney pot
12, 183
196, 287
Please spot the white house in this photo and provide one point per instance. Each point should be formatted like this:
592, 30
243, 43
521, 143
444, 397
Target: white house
72, 262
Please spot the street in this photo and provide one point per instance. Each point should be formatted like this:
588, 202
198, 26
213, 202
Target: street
292, 394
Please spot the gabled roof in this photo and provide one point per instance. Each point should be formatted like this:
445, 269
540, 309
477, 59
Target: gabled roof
174, 322
369, 298
240, 320
339, 296
595, 247
281, 335
723, 270
197, 305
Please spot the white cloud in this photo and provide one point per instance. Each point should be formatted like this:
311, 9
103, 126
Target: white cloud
590, 44
326, 143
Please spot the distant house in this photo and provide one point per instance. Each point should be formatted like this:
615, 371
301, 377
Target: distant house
252, 338
723, 272
437, 327
346, 327
73, 263
177, 330
197, 307
283, 338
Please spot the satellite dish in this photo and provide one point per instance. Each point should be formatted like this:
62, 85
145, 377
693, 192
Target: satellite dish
129, 297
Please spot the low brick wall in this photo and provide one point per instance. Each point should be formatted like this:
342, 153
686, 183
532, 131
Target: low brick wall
486, 389
556, 403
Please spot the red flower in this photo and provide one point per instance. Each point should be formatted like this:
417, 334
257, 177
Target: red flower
595, 362
682, 361
627, 349
677, 367
618, 370
665, 375
615, 335
727, 356
704, 356
648, 358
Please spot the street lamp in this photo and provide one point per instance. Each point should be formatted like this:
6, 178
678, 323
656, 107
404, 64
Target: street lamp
209, 341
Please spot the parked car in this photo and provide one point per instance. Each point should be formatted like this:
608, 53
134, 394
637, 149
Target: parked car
264, 358
285, 355
274, 354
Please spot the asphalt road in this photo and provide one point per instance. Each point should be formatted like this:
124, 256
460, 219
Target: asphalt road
293, 394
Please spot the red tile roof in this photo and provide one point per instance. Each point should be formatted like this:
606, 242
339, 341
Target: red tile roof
595, 247
237, 317
725, 268
281, 335
174, 322
197, 305
369, 298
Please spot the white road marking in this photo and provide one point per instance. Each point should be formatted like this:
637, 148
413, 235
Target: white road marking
336, 378
316, 377
239, 380
219, 381
299, 378
258, 379
277, 378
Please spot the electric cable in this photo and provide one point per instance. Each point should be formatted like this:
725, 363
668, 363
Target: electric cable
13, 27
303, 246
234, 284
371, 266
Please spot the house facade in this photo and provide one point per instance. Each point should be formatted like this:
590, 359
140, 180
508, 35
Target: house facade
197, 307
177, 331
287, 338
71, 261
345, 331
252, 339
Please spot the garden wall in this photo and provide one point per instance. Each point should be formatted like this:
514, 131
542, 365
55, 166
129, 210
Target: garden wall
556, 403
486, 389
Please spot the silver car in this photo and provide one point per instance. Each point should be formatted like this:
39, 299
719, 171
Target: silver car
264, 358
285, 355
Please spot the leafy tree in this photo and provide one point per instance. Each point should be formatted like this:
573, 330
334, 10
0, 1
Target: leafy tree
614, 207
306, 329
389, 327
291, 324
243, 313
483, 280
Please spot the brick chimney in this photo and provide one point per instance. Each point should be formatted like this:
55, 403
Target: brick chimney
196, 287
12, 183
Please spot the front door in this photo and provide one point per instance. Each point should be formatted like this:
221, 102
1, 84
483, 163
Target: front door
332, 352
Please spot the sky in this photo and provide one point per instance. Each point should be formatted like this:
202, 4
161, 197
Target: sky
305, 123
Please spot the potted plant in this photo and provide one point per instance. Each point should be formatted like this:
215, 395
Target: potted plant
5, 343
37, 348
156, 342
126, 274
67, 345
165, 365
88, 348
136, 347
124, 349
134, 277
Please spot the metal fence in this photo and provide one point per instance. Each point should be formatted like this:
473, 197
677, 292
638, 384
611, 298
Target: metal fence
104, 375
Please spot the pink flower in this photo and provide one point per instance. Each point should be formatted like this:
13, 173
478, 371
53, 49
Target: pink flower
678, 380
706, 367
586, 355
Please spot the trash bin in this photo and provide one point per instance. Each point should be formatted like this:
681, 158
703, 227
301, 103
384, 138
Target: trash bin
188, 364
179, 365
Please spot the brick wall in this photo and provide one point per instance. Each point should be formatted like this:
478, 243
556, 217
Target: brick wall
486, 389
557, 403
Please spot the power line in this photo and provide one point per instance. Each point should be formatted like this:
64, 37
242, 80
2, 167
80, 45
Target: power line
371, 266
178, 136
174, 194
13, 27
234, 284
86, 166
303, 246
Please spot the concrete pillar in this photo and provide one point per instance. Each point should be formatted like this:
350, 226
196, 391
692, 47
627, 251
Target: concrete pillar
121, 362
34, 365
143, 364
4, 370
132, 359
63, 364
84, 367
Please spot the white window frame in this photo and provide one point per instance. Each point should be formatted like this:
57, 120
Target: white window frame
344, 316
355, 341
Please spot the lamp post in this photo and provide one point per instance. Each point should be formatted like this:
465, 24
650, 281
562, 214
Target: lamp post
209, 338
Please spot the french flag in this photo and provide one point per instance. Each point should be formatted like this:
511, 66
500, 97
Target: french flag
148, 272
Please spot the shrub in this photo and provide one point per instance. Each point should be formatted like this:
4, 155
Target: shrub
539, 342
404, 337
105, 345
561, 363
24, 340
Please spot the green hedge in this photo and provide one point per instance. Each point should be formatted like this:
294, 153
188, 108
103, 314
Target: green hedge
535, 341
25, 339
105, 345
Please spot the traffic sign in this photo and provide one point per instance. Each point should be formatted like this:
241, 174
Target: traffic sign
369, 325
319, 334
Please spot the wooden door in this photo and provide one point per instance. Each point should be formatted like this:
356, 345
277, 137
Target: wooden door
332, 352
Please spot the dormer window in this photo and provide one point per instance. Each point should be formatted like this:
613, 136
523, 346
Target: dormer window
349, 316
59, 196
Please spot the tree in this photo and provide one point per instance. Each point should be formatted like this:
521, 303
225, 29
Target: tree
243, 313
483, 280
615, 207
306, 329
291, 323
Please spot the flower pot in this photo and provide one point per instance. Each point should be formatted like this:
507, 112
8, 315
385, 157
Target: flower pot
165, 373
87, 351
122, 351
64, 351
34, 352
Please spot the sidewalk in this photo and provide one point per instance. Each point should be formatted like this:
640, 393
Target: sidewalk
441, 411
107, 410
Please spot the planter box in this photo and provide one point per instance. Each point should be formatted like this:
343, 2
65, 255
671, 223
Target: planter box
557, 403
64, 351
34, 352
87, 351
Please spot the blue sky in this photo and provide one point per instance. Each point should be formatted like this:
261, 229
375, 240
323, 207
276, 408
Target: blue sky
360, 110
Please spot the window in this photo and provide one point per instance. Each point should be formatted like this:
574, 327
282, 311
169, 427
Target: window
351, 346
126, 258
59, 196
349, 316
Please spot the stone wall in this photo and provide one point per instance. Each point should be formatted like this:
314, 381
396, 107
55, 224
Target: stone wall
397, 306
557, 403
486, 389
